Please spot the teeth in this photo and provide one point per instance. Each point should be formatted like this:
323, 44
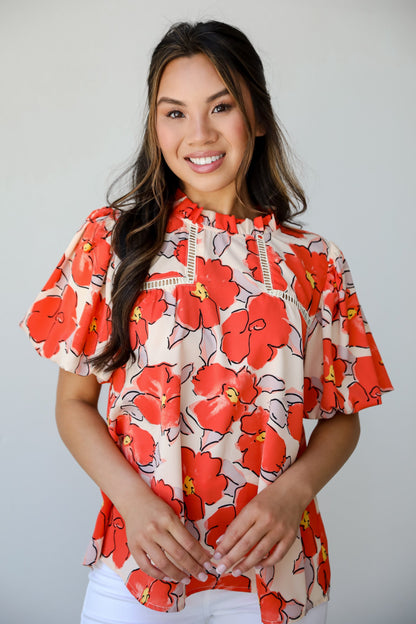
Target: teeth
205, 161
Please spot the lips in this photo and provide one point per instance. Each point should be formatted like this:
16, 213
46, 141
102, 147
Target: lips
205, 162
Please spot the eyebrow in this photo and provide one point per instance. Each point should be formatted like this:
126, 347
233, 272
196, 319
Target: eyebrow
209, 99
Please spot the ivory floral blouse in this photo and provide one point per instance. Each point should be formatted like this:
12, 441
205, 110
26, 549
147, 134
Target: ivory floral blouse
244, 328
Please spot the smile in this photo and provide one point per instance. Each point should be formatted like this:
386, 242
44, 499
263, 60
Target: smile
205, 161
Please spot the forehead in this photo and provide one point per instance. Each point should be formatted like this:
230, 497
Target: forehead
194, 75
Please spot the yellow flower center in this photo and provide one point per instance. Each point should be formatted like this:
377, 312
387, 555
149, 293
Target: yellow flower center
137, 314
261, 437
126, 440
200, 291
232, 394
306, 521
310, 279
324, 553
87, 247
331, 374
163, 401
351, 313
188, 486
145, 596
93, 325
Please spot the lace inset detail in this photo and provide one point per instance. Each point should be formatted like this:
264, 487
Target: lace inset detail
287, 295
190, 264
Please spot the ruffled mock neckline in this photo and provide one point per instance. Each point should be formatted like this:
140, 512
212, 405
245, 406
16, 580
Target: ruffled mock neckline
184, 208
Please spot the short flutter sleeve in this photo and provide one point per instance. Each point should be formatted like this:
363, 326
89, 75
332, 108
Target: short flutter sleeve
70, 320
343, 368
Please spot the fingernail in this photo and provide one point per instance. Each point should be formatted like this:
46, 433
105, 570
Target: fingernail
203, 577
217, 556
167, 578
221, 568
236, 572
208, 566
186, 580
221, 537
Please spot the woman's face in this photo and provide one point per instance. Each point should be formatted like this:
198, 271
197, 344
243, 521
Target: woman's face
201, 131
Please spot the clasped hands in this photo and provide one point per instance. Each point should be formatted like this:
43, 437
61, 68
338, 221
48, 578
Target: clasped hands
260, 535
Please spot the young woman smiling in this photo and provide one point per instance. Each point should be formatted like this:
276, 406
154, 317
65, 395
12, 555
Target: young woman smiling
219, 327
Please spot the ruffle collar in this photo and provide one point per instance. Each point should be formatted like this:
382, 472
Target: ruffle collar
184, 208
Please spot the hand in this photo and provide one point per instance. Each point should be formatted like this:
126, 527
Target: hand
263, 531
160, 543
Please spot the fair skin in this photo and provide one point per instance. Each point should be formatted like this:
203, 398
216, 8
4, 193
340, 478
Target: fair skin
198, 119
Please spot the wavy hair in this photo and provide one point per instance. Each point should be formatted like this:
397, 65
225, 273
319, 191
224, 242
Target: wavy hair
266, 176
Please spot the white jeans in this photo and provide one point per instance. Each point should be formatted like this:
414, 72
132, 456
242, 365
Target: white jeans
108, 601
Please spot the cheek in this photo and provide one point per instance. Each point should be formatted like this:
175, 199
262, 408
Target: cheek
166, 137
238, 133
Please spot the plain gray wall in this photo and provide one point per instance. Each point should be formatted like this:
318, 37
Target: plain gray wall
342, 77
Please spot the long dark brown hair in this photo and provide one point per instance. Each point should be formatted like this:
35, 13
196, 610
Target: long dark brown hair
265, 178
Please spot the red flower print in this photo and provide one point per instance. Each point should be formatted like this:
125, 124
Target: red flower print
228, 396
274, 451
274, 608
52, 320
253, 262
353, 322
165, 492
251, 441
115, 540
310, 269
311, 395
118, 379
146, 589
92, 255
308, 526
203, 484
324, 575
160, 399
243, 495
148, 308
137, 445
102, 519
218, 523
214, 290
365, 389
94, 326
332, 378
56, 275
258, 332
295, 420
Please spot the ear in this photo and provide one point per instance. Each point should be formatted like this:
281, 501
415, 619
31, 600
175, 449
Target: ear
260, 131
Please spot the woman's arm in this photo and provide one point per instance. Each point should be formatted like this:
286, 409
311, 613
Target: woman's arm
154, 531
270, 521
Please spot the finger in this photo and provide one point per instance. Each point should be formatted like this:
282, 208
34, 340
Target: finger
147, 565
158, 559
197, 558
246, 543
257, 557
277, 553
182, 557
233, 535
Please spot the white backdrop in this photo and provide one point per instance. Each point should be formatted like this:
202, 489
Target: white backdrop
342, 76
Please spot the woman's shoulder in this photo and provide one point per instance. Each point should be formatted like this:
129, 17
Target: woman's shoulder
298, 237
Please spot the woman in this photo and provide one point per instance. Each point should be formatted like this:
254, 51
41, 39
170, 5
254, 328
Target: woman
218, 327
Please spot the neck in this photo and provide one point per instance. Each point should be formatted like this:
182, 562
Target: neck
224, 201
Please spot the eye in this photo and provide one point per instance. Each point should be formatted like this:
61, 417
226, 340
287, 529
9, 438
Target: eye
175, 114
221, 108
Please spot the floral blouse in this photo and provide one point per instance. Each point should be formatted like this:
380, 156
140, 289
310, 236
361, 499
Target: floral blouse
243, 328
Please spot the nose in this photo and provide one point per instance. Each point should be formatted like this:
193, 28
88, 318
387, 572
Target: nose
201, 131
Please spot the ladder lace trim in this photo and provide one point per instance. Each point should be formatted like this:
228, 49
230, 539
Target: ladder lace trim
286, 295
190, 264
